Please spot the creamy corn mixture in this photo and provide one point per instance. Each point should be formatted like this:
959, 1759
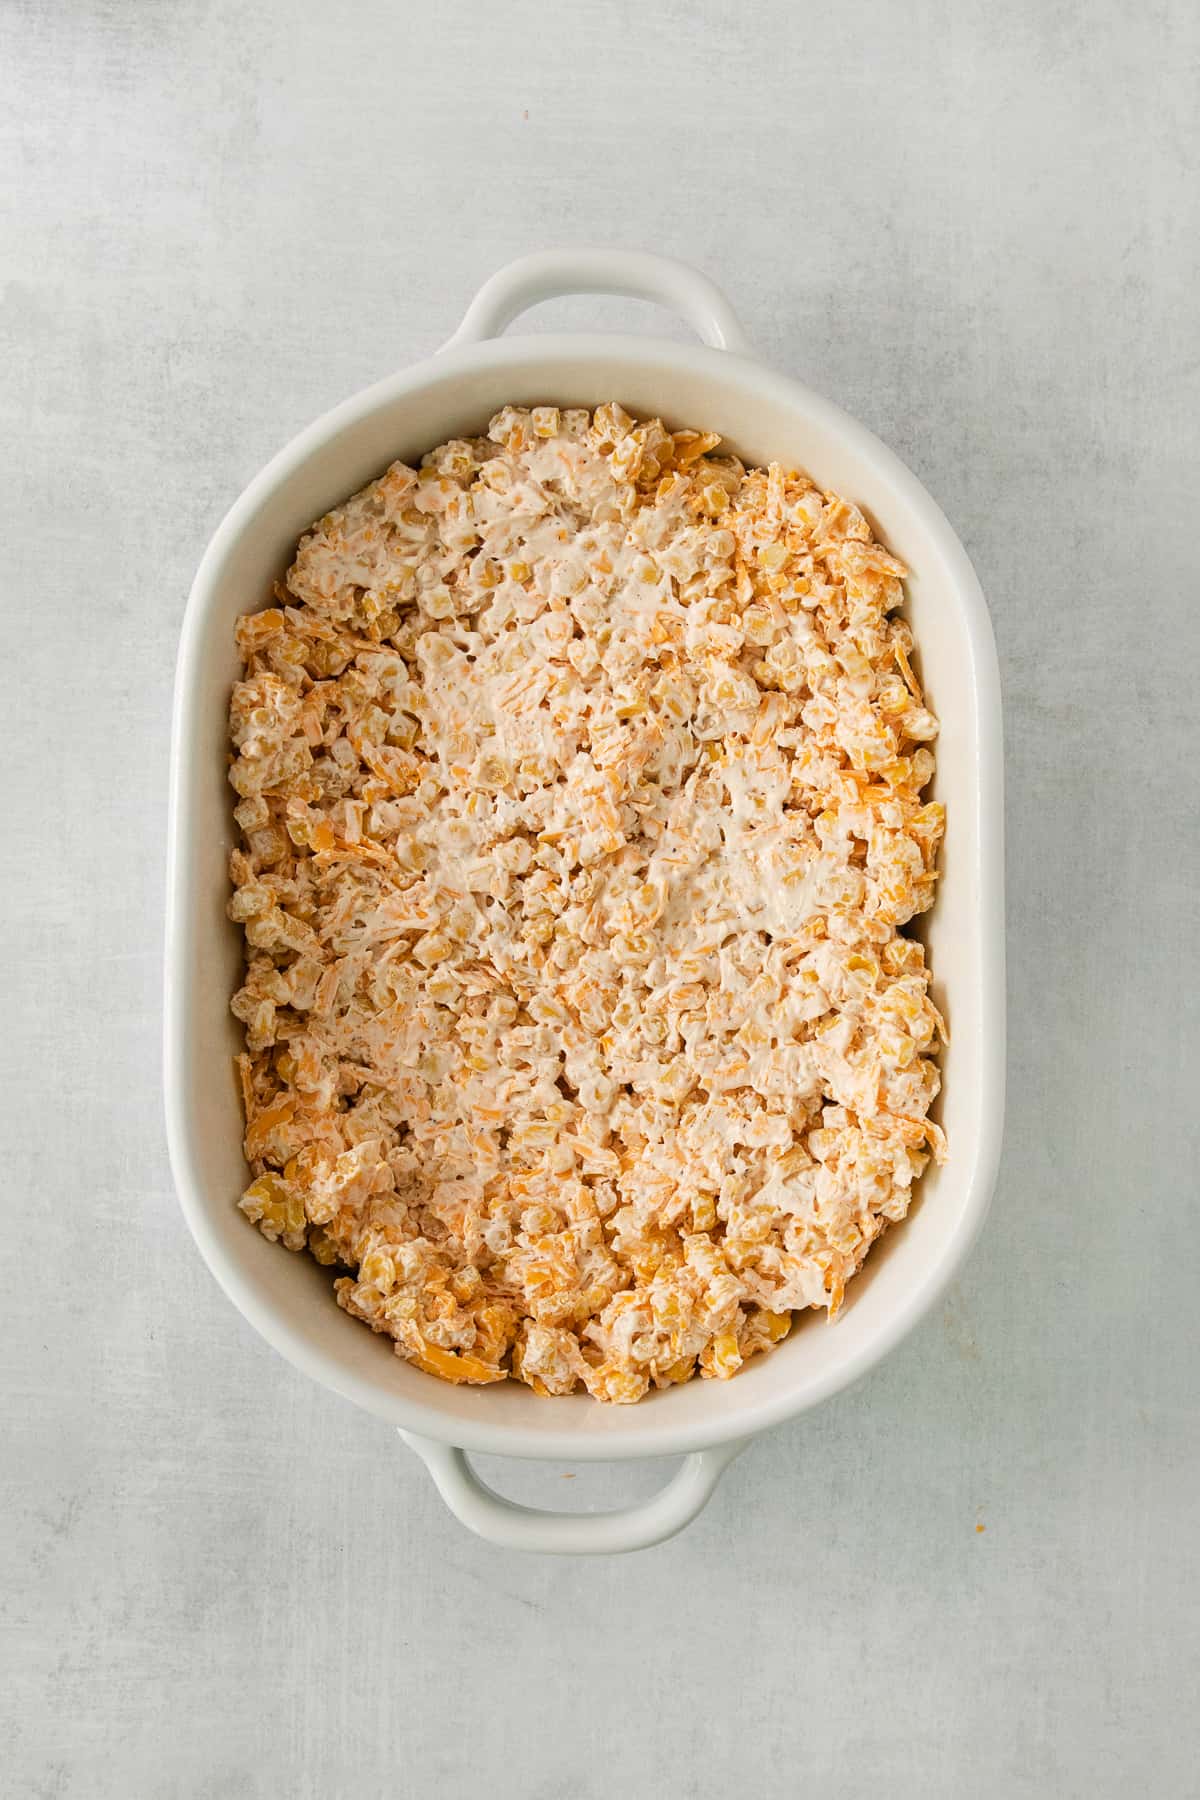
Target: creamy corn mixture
579, 782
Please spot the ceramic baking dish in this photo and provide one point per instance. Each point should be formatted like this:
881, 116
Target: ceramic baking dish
764, 417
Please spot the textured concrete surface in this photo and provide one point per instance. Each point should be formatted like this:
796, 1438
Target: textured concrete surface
977, 227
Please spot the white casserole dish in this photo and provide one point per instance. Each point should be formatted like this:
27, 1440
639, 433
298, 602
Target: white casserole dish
288, 1298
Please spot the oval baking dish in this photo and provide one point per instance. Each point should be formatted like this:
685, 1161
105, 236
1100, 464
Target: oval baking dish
762, 417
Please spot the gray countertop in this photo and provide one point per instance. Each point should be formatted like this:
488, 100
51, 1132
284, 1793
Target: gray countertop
977, 227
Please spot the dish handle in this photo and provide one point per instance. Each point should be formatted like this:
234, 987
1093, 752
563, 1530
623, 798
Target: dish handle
515, 1527
633, 273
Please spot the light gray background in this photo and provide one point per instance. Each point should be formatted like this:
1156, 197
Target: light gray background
974, 225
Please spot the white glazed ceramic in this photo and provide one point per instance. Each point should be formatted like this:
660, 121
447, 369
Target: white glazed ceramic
763, 417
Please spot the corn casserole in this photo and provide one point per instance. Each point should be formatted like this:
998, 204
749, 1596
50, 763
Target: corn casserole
580, 787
